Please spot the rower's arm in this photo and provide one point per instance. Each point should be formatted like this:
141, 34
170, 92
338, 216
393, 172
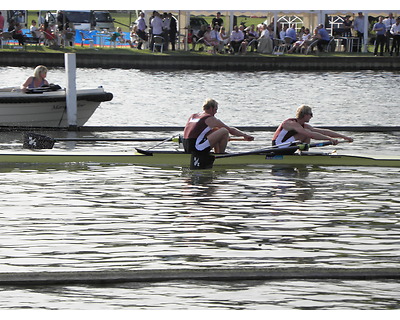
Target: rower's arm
332, 134
213, 122
309, 131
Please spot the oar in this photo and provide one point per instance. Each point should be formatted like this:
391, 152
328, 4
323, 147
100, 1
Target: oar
149, 153
278, 149
38, 141
264, 150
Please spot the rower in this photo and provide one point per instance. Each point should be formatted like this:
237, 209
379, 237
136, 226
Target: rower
298, 129
203, 132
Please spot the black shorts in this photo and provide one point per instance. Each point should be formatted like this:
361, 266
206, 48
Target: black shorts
189, 145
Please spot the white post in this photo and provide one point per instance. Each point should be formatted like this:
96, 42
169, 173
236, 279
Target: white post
70, 67
366, 27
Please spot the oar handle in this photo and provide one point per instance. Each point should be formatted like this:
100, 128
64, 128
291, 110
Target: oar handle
321, 144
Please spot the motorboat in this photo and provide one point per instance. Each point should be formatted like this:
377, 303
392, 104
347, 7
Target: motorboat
47, 107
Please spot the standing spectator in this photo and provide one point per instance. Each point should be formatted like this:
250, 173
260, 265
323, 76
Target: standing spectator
217, 20
173, 29
1, 22
395, 31
40, 19
166, 29
347, 25
141, 30
389, 21
156, 26
380, 30
359, 28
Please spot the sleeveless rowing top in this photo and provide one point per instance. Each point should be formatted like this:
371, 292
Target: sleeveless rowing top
196, 131
281, 135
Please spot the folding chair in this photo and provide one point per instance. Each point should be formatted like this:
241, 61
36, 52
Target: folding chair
158, 42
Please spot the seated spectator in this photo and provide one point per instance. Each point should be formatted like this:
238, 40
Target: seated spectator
301, 43
251, 38
323, 37
224, 36
237, 37
215, 39
134, 35
68, 34
198, 36
265, 43
282, 33
35, 31
118, 35
16, 32
291, 33
50, 37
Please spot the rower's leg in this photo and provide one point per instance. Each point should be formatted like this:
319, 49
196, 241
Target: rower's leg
302, 138
219, 140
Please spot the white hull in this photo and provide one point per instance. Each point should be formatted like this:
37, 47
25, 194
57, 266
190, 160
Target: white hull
47, 109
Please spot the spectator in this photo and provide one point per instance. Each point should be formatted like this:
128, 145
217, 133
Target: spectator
291, 33
217, 21
157, 27
323, 37
173, 29
347, 25
395, 31
237, 37
380, 30
359, 28
34, 30
1, 22
301, 43
141, 30
389, 21
265, 43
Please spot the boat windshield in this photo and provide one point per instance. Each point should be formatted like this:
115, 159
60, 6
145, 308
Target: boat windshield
78, 16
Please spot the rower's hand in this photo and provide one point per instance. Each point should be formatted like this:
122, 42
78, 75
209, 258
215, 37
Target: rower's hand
334, 141
248, 137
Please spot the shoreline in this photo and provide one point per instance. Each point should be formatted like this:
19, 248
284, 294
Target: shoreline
204, 62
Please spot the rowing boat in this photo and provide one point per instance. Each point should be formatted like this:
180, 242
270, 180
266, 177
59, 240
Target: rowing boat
180, 159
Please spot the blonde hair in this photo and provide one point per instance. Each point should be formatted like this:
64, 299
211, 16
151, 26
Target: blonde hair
302, 111
38, 70
210, 103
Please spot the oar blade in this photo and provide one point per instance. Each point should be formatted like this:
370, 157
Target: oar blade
201, 160
37, 141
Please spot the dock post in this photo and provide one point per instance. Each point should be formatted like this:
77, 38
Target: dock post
71, 100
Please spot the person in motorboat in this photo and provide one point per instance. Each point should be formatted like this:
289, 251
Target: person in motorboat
298, 129
203, 131
37, 80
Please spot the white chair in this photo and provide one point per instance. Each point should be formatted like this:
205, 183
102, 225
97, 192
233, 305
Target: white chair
158, 42
279, 46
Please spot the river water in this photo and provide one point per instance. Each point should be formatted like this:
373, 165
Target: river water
90, 217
